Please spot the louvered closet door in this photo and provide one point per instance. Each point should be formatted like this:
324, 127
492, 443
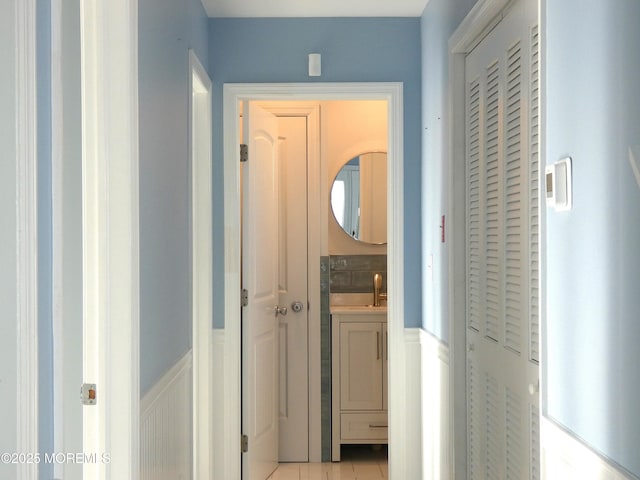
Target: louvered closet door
502, 249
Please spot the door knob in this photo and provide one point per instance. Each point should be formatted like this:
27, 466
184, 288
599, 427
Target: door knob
280, 310
297, 306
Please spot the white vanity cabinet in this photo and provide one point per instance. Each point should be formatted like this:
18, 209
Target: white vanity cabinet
359, 377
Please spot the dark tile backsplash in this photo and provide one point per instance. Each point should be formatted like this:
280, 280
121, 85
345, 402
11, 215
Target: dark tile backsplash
325, 360
354, 273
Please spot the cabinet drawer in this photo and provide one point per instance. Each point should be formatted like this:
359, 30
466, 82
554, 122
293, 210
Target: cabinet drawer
364, 426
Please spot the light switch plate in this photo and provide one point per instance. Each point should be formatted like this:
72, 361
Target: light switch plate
558, 185
634, 157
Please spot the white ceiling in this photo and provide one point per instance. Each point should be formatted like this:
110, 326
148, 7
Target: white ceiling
314, 8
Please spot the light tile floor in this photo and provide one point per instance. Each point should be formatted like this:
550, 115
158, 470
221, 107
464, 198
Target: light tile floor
359, 462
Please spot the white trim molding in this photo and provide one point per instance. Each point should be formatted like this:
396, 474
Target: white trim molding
27, 235
111, 278
484, 15
201, 264
399, 418
565, 456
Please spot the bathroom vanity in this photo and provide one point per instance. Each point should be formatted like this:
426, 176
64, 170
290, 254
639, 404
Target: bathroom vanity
359, 376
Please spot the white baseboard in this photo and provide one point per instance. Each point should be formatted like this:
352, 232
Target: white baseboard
165, 430
565, 456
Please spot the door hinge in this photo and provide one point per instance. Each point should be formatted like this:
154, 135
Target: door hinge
244, 444
244, 297
244, 152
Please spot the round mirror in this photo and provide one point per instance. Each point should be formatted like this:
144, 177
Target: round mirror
359, 197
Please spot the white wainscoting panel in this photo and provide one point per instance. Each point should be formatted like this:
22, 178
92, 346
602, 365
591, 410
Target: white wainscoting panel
165, 425
564, 456
413, 338
217, 414
434, 381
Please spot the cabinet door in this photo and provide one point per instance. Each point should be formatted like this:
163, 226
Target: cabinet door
360, 366
385, 367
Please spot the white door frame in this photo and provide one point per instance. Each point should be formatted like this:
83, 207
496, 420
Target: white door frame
201, 265
26, 163
485, 15
233, 95
110, 231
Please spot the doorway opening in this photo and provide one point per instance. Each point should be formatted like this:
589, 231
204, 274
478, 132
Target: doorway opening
233, 96
318, 260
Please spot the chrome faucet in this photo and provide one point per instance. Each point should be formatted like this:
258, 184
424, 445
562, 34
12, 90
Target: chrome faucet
377, 285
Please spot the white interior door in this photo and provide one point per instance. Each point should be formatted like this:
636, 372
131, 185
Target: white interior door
293, 286
502, 249
260, 279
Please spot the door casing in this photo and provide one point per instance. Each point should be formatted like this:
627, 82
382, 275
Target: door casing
201, 265
110, 235
233, 95
25, 206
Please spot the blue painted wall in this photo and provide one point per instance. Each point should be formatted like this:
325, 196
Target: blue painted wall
8, 250
592, 324
353, 50
167, 29
438, 22
72, 301
45, 252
